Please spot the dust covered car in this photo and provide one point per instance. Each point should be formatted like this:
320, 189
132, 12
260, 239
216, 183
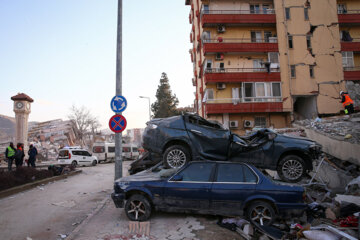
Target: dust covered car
189, 137
208, 187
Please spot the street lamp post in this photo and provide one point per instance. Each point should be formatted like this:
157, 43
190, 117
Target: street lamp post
148, 98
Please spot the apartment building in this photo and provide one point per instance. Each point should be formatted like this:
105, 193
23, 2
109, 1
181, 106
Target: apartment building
268, 62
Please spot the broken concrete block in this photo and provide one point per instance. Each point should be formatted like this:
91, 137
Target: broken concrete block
248, 229
347, 198
330, 214
348, 136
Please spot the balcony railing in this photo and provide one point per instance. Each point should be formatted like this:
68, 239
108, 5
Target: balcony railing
352, 40
352, 69
352, 45
257, 11
244, 100
241, 40
239, 70
356, 11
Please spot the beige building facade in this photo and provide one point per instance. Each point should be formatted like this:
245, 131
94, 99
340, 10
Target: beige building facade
268, 62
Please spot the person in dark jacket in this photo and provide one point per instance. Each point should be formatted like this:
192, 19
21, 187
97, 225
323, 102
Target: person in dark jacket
10, 155
19, 155
347, 102
32, 155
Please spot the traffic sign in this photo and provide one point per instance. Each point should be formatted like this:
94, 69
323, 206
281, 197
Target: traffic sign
118, 104
117, 123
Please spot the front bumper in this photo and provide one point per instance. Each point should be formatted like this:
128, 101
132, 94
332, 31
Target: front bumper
118, 199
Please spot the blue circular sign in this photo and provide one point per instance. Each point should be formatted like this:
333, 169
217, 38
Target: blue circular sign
117, 123
118, 104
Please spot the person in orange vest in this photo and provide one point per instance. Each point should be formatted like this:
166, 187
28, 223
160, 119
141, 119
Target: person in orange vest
347, 102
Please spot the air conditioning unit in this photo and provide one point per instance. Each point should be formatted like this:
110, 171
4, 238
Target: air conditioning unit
219, 56
248, 123
221, 29
220, 86
233, 124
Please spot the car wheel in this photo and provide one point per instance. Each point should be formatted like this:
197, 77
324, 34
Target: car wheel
291, 168
176, 156
138, 208
74, 163
261, 213
94, 163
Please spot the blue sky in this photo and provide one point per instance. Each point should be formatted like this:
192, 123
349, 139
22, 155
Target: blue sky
63, 52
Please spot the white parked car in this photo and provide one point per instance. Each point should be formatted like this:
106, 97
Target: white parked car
76, 156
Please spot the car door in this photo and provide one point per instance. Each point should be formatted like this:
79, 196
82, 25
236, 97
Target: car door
192, 192
211, 140
83, 157
233, 184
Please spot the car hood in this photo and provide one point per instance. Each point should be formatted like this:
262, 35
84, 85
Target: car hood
287, 138
146, 175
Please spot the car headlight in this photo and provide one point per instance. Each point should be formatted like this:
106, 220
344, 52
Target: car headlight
123, 185
152, 126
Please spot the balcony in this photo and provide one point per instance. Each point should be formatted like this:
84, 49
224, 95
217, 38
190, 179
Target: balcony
236, 75
244, 105
244, 45
352, 73
238, 17
349, 17
351, 46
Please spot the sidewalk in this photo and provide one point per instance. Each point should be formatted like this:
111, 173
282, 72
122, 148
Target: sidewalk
110, 223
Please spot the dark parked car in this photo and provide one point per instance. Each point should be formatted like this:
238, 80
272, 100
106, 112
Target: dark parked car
208, 187
188, 137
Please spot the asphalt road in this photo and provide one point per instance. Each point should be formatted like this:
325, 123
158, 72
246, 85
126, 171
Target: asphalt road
55, 208
80, 207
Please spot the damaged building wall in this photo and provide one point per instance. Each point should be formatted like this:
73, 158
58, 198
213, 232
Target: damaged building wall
313, 64
353, 88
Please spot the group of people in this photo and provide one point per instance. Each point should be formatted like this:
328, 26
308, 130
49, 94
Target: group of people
18, 155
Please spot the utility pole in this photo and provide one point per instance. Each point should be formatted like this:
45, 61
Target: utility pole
118, 136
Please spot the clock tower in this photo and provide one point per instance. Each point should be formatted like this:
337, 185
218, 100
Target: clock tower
22, 109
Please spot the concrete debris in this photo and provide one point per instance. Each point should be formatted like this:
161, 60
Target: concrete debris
67, 204
318, 234
62, 236
348, 199
338, 127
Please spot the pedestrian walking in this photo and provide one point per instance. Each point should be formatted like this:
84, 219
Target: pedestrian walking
10, 155
19, 155
347, 102
32, 155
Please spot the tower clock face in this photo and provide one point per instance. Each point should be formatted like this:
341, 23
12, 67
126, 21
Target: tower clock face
19, 105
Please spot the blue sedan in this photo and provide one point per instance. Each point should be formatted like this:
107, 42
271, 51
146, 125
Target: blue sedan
216, 188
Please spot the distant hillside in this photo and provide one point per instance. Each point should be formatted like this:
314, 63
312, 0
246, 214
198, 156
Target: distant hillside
7, 126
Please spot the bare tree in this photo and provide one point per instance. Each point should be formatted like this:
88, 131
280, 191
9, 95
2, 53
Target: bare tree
85, 122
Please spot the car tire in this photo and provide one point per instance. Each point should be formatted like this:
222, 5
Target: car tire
176, 156
291, 168
94, 163
261, 213
138, 208
74, 163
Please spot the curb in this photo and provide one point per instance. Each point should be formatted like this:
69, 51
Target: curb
74, 233
28, 186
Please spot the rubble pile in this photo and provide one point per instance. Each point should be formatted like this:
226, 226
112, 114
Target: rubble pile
48, 137
345, 127
333, 211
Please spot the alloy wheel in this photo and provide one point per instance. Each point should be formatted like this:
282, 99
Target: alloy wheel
176, 158
292, 169
137, 209
261, 214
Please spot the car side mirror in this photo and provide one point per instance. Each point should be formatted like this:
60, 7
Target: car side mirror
177, 178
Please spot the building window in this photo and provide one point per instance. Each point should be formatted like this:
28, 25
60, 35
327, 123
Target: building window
287, 13
276, 90
205, 9
210, 93
273, 57
293, 71
311, 68
308, 41
341, 8
256, 37
348, 59
267, 36
249, 91
290, 38
260, 121
255, 8
306, 13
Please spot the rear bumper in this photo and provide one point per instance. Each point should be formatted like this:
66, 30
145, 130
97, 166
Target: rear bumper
118, 199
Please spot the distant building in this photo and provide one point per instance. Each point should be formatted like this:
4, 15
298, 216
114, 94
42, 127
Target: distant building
135, 135
267, 62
